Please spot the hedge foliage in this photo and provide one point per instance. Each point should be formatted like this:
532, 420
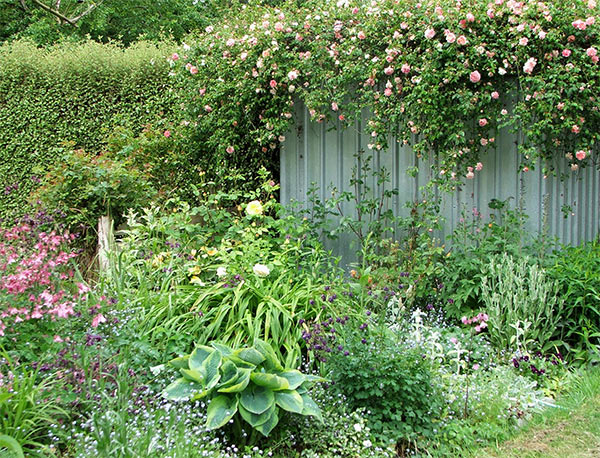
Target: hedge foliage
76, 93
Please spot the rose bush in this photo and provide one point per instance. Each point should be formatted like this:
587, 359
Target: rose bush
425, 71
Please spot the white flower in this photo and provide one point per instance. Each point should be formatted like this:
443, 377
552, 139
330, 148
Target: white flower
367, 443
261, 270
357, 427
221, 271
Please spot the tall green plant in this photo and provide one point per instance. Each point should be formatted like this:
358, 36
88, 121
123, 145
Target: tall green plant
523, 304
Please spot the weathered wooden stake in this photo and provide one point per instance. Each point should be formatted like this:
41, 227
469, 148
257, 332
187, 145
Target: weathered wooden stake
105, 242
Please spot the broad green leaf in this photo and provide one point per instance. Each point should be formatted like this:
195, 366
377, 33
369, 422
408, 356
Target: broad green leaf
181, 362
253, 419
271, 381
223, 349
271, 361
198, 356
193, 376
257, 399
220, 410
289, 400
266, 428
210, 369
294, 377
250, 355
181, 389
229, 373
11, 445
240, 384
311, 408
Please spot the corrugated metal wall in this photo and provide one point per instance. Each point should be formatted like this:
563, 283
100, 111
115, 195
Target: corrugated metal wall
325, 155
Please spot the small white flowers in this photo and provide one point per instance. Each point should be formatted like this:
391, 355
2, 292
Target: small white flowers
367, 443
357, 427
261, 270
221, 271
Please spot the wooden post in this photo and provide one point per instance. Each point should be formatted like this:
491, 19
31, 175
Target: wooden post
105, 242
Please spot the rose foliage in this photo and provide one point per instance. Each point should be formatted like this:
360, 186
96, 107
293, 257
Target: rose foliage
443, 76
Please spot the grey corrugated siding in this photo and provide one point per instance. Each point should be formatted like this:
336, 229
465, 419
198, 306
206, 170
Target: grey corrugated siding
316, 153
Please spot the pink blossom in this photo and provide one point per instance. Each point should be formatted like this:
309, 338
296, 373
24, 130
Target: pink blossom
479, 166
454, 340
405, 68
193, 70
574, 167
560, 105
541, 35
475, 367
208, 108
334, 106
525, 169
475, 76
202, 90
388, 70
387, 92
579, 24
495, 95
429, 33
470, 175
97, 320
361, 35
591, 20
580, 155
174, 56
450, 37
470, 17
278, 26
529, 65
483, 141
483, 122
167, 133
575, 129
230, 149
230, 42
58, 339
273, 84
591, 52
292, 75
523, 41
595, 59
462, 40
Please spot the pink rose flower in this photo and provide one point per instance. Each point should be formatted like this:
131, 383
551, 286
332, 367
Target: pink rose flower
429, 34
530, 65
475, 76
483, 122
462, 40
334, 106
361, 35
405, 68
387, 92
97, 320
230, 149
591, 52
579, 24
208, 108
580, 155
470, 17
523, 41
574, 167
167, 133
495, 95
450, 37
193, 69
175, 56
230, 42
388, 70
273, 84
566, 52
575, 129
479, 166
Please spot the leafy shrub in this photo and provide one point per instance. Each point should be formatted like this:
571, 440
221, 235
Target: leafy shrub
85, 187
523, 305
249, 380
577, 270
393, 382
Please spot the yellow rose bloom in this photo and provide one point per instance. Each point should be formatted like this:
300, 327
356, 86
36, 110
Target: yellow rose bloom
254, 208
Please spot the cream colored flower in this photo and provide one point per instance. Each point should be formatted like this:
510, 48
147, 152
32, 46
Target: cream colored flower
196, 281
221, 271
254, 208
261, 270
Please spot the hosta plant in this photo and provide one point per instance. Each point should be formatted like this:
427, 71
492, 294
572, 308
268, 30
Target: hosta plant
249, 381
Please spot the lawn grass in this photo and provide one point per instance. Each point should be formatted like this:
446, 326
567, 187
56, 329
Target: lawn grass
568, 431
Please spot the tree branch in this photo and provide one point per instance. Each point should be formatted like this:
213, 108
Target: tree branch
23, 5
62, 17
58, 14
91, 8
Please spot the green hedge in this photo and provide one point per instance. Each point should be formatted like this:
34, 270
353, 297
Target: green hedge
75, 93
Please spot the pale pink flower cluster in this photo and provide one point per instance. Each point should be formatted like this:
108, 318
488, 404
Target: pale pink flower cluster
479, 321
530, 65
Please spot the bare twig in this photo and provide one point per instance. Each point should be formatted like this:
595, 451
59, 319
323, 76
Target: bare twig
23, 5
55, 11
91, 8
58, 14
